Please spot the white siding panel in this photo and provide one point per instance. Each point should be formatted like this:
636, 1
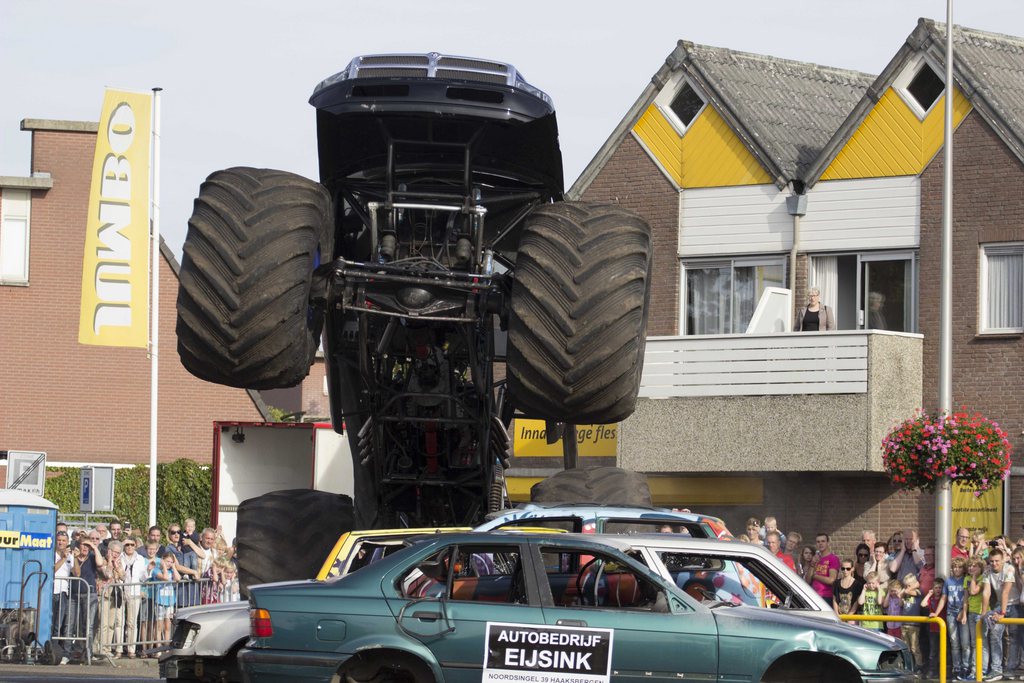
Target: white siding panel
756, 365
748, 219
874, 213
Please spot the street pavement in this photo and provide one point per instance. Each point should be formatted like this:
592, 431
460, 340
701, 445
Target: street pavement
123, 671
126, 671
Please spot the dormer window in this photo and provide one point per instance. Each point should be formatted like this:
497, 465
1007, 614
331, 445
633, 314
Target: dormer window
919, 85
686, 105
680, 102
926, 87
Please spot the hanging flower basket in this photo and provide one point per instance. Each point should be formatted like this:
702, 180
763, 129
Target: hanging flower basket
969, 449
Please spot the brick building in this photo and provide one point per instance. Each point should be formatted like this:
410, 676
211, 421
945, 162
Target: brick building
85, 404
758, 172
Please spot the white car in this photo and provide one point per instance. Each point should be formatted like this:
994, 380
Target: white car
724, 570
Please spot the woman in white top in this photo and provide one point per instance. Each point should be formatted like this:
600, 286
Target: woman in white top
136, 571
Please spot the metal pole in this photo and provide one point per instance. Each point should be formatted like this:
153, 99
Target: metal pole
154, 325
570, 449
944, 498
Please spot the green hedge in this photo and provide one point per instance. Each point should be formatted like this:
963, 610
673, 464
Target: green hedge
183, 489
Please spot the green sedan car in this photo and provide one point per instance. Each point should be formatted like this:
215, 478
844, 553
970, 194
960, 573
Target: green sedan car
539, 609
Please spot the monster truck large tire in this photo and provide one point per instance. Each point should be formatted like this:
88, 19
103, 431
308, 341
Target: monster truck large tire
578, 320
600, 485
286, 535
254, 238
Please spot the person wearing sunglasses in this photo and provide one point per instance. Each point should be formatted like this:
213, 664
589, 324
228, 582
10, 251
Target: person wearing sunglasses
186, 563
863, 554
909, 556
846, 590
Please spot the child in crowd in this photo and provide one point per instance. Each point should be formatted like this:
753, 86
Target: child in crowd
147, 609
934, 604
973, 586
979, 548
894, 607
165, 595
910, 599
952, 603
871, 601
229, 583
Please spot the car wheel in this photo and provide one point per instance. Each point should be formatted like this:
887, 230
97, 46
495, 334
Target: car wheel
386, 668
286, 535
578, 314
244, 315
601, 485
811, 667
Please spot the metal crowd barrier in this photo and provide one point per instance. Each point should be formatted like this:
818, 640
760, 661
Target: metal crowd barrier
978, 654
135, 618
915, 620
74, 606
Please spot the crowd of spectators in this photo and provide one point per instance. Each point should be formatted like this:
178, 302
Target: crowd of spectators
897, 577
118, 590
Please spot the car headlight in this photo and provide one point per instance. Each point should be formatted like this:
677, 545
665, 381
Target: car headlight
895, 660
184, 635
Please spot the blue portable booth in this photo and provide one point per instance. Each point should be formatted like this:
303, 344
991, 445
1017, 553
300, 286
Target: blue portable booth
27, 526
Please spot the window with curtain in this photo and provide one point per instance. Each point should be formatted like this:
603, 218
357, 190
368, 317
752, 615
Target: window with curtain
1002, 288
721, 296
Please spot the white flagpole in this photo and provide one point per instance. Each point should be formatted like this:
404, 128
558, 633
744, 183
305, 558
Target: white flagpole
154, 312
944, 499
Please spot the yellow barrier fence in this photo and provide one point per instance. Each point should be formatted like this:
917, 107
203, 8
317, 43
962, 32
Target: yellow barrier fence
1013, 621
918, 620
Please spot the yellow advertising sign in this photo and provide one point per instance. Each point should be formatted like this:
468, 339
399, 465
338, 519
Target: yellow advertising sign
25, 539
530, 440
115, 278
981, 513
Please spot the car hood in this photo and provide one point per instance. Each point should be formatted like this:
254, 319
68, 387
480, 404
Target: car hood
743, 618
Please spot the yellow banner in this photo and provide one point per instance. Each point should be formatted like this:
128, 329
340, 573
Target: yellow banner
115, 278
13, 540
530, 440
981, 513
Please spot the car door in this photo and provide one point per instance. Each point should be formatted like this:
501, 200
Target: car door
466, 588
655, 637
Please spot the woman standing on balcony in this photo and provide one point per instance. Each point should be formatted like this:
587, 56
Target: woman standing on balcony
815, 316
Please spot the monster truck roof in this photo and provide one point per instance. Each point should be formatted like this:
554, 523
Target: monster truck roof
403, 82
437, 114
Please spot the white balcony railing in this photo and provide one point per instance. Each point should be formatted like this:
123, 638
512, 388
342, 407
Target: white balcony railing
756, 364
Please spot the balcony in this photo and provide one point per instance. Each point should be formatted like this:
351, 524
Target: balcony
771, 402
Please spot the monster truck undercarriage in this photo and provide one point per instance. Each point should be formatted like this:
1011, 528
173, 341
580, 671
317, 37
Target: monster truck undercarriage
437, 226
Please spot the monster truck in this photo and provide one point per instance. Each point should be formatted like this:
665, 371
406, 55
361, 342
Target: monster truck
435, 251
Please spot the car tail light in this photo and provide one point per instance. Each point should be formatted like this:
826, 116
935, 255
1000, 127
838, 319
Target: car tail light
259, 623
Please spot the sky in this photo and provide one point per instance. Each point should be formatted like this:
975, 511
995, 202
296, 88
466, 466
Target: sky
237, 76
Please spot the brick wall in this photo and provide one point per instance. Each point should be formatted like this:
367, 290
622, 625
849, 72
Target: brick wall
90, 403
839, 505
315, 403
631, 179
988, 373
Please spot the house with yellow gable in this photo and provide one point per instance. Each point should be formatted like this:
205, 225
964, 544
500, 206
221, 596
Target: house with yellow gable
762, 174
